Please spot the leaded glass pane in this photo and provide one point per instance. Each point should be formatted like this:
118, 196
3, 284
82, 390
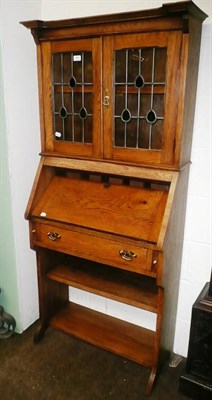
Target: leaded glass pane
77, 129
68, 102
78, 67
126, 115
143, 141
83, 113
158, 104
58, 127
77, 102
131, 137
132, 69
57, 102
88, 128
120, 74
63, 112
139, 97
89, 103
139, 81
151, 117
119, 102
160, 64
132, 103
120, 133
88, 69
145, 104
157, 129
72, 82
72, 86
66, 62
57, 68
146, 63
68, 127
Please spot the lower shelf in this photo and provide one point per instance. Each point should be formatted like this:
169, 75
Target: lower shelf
120, 337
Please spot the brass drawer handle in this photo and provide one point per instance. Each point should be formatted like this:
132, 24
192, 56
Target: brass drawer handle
127, 255
53, 236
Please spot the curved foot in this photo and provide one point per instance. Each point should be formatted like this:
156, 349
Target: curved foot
151, 380
39, 333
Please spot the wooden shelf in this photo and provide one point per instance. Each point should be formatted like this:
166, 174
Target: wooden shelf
109, 333
130, 288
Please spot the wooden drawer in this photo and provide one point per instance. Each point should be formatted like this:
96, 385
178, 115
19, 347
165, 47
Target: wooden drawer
104, 250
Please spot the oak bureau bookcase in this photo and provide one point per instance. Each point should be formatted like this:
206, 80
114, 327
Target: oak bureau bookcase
106, 211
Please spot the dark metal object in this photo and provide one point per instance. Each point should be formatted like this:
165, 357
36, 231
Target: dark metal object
197, 379
207, 298
127, 255
199, 360
7, 324
210, 287
53, 236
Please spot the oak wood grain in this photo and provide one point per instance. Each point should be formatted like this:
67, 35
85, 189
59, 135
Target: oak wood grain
130, 288
135, 212
127, 340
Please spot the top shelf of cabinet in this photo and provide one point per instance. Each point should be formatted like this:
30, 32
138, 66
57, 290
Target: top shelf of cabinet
178, 12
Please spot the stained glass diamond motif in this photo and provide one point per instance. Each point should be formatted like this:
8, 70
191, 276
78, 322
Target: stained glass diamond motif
139, 97
83, 113
126, 115
72, 87
139, 81
151, 117
63, 112
72, 82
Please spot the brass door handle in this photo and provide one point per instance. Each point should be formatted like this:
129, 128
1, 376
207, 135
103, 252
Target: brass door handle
53, 236
127, 255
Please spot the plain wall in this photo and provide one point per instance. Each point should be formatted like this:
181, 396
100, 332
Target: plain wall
9, 292
20, 140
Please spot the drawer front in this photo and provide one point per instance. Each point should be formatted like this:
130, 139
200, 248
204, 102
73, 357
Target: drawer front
92, 247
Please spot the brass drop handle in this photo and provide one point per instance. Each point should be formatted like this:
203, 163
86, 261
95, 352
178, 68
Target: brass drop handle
106, 100
53, 236
127, 255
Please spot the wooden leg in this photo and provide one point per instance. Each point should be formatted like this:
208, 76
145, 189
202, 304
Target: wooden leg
52, 295
40, 332
151, 380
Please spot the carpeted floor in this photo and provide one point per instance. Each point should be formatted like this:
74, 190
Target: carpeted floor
63, 368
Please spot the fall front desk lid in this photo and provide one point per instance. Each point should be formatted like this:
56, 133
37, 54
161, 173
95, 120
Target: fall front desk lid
135, 212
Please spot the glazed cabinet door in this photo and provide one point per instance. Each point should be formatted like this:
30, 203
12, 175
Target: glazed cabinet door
140, 96
71, 94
